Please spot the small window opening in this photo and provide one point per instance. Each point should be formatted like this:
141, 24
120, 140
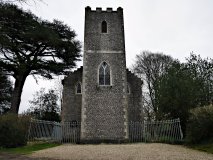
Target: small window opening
128, 89
78, 88
104, 27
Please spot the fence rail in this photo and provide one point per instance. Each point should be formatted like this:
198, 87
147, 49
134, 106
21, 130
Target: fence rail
155, 131
69, 132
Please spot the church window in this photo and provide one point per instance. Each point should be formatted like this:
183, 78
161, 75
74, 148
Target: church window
104, 74
78, 88
104, 27
128, 89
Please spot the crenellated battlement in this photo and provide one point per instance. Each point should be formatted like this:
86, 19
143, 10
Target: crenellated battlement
130, 73
99, 9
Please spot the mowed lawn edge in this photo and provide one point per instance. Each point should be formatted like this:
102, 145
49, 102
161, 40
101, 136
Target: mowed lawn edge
202, 147
29, 148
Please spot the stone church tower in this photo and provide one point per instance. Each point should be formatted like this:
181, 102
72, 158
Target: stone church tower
104, 98
103, 95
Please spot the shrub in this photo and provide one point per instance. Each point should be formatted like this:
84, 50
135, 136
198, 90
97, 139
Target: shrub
200, 125
13, 130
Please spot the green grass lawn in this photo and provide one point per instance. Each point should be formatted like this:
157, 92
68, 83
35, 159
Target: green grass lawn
203, 147
29, 148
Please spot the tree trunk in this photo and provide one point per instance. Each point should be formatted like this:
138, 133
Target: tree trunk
16, 95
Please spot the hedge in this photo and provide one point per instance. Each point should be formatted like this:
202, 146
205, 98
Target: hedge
13, 130
200, 125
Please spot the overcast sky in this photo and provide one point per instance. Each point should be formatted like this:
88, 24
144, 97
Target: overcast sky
174, 27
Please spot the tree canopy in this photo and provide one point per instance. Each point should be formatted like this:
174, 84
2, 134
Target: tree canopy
177, 93
150, 66
44, 105
32, 46
184, 86
173, 88
202, 71
20, 1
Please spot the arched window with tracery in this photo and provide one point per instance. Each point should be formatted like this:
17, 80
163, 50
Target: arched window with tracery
104, 27
104, 74
78, 88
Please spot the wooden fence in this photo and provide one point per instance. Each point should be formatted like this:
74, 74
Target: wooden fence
69, 132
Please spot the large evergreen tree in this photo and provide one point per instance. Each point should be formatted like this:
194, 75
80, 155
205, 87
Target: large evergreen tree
202, 71
31, 46
5, 92
185, 86
177, 93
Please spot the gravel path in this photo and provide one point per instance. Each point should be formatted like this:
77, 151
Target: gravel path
140, 151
